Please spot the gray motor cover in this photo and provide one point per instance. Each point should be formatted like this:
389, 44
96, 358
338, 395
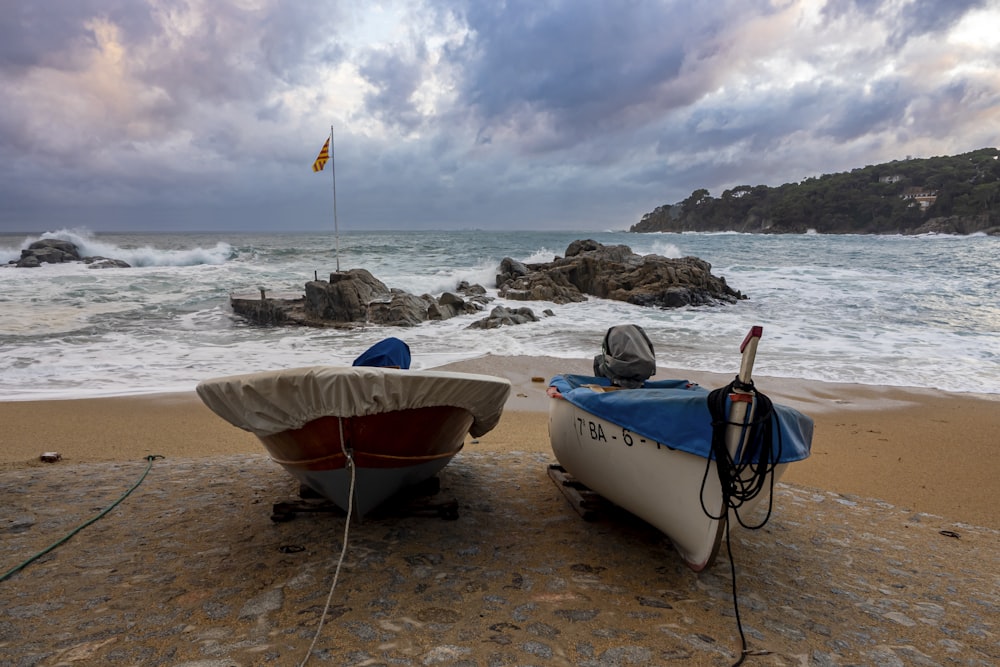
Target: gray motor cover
627, 357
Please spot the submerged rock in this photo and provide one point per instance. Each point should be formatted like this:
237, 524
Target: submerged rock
503, 316
105, 263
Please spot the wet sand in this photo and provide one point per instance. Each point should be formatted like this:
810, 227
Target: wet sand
882, 548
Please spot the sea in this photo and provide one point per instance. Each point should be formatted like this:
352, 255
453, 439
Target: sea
909, 311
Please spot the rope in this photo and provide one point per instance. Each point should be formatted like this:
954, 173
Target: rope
742, 480
343, 548
369, 455
736, 607
76, 530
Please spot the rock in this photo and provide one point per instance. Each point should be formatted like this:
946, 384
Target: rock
471, 290
27, 262
672, 283
105, 263
402, 309
346, 297
356, 296
959, 225
57, 251
615, 272
270, 311
540, 286
616, 253
450, 305
53, 251
501, 315
48, 251
510, 270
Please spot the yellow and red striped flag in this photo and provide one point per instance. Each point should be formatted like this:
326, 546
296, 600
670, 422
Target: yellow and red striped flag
323, 156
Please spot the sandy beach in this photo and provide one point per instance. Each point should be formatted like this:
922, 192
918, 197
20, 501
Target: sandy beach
882, 548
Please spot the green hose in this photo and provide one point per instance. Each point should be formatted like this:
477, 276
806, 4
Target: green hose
12, 572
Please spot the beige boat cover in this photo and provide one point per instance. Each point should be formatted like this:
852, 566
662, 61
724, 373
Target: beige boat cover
274, 401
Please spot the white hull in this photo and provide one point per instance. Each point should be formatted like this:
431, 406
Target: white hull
659, 485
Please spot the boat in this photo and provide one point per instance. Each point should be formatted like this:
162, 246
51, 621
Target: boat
653, 450
375, 430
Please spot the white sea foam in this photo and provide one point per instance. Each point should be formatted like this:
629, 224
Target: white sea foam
918, 311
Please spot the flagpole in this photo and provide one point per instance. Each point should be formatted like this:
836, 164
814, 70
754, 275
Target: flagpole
333, 171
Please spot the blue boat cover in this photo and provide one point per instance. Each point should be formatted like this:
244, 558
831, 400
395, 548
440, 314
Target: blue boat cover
675, 413
387, 353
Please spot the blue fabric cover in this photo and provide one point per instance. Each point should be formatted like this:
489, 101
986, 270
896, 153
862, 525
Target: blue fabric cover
387, 353
674, 413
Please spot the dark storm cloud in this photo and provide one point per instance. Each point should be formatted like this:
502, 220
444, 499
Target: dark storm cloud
559, 71
182, 80
863, 112
466, 113
395, 78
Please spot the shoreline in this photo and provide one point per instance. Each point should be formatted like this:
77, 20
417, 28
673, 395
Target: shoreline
917, 449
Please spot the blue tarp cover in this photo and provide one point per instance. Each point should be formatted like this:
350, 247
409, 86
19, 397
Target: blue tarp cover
675, 413
387, 353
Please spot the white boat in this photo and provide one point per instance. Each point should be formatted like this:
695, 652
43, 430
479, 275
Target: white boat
397, 427
649, 450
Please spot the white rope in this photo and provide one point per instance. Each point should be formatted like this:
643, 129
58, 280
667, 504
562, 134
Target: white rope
343, 549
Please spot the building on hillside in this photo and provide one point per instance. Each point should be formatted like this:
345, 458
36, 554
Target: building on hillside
920, 197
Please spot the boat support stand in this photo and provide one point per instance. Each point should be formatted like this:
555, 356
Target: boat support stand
587, 503
411, 501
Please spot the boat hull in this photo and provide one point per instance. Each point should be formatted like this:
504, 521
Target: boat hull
662, 486
390, 451
399, 426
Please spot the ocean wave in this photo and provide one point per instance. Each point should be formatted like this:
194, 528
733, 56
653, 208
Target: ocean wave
89, 245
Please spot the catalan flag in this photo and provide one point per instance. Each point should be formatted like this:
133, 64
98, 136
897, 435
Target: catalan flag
323, 156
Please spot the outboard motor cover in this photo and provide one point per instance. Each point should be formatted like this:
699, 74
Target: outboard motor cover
627, 357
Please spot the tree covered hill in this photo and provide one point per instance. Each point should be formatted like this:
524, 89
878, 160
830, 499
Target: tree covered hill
957, 194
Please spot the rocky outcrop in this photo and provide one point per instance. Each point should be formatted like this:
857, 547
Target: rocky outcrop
961, 225
356, 297
57, 251
589, 268
615, 272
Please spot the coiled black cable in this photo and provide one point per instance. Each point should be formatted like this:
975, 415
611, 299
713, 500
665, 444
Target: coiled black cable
742, 480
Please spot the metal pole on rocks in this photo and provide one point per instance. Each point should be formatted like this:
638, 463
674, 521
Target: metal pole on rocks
326, 155
336, 229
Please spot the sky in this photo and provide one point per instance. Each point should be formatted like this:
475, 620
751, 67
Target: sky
206, 115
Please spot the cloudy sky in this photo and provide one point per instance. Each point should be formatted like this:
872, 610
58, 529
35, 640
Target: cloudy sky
526, 114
